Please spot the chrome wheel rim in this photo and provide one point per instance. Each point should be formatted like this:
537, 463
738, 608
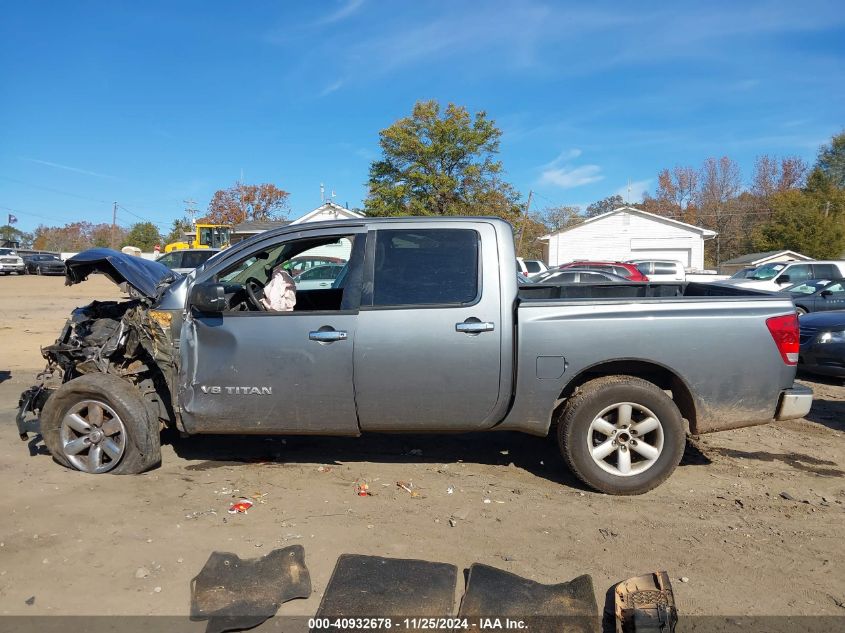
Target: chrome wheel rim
625, 439
93, 436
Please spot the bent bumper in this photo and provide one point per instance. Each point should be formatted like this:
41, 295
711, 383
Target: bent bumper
794, 403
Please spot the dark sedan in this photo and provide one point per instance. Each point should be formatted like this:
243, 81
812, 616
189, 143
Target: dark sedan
44, 265
817, 295
823, 343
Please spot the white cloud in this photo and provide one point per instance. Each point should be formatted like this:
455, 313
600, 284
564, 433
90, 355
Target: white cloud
638, 189
349, 8
66, 167
332, 87
568, 178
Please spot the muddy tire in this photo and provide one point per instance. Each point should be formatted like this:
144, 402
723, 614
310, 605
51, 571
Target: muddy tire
621, 435
98, 423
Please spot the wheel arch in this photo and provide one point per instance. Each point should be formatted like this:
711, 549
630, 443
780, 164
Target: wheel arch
660, 375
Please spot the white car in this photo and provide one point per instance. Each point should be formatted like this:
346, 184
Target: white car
318, 277
530, 267
11, 262
778, 275
660, 269
187, 259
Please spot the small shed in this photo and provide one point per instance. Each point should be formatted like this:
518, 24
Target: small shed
628, 233
755, 260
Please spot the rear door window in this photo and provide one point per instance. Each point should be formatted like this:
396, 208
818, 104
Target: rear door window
532, 267
414, 267
824, 271
801, 272
664, 268
643, 267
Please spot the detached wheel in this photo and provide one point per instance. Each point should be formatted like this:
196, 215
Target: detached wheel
98, 423
621, 435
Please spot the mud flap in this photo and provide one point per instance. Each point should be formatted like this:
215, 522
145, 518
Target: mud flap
497, 594
31, 401
645, 604
372, 586
234, 594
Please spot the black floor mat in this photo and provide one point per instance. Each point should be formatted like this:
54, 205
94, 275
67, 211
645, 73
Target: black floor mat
372, 586
566, 607
234, 594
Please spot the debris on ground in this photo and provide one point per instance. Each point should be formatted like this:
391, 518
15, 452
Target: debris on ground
452, 521
258, 497
362, 489
30, 601
606, 533
200, 513
684, 579
450, 490
787, 496
240, 507
324, 469
142, 572
408, 487
645, 603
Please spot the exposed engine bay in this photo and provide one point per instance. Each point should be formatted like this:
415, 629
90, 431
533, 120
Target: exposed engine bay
125, 339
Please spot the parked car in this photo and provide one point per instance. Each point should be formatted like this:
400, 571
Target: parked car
776, 276
660, 269
187, 259
530, 267
629, 271
621, 374
576, 276
43, 264
744, 273
318, 277
298, 265
817, 295
823, 343
11, 262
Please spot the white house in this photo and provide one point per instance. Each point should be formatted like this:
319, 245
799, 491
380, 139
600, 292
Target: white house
628, 233
328, 211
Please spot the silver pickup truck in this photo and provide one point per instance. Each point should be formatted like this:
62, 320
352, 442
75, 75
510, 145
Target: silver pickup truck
425, 330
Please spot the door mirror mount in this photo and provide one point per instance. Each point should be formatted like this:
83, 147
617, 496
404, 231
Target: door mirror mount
783, 279
208, 297
825, 293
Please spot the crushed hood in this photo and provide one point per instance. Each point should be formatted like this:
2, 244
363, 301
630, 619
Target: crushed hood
147, 277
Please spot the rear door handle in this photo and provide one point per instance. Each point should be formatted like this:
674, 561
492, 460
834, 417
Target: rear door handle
327, 336
474, 327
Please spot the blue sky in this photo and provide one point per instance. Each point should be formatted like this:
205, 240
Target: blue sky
151, 103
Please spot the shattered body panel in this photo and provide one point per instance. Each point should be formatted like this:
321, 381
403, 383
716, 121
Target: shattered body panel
147, 277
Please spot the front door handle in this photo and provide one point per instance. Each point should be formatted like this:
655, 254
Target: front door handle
474, 327
327, 336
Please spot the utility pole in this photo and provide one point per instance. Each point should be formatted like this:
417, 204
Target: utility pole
524, 217
190, 208
113, 223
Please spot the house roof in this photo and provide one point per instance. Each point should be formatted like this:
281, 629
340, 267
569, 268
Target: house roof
259, 227
705, 233
340, 213
753, 258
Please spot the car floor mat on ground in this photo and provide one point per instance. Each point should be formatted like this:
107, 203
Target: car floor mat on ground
495, 593
645, 603
234, 594
372, 586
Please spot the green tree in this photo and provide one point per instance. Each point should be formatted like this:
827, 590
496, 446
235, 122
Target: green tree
440, 163
179, 227
831, 160
8, 233
605, 205
799, 224
143, 235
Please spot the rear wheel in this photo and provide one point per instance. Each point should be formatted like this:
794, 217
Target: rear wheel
38, 270
98, 423
621, 435
799, 310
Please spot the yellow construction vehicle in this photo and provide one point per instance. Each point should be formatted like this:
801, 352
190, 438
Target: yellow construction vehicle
205, 236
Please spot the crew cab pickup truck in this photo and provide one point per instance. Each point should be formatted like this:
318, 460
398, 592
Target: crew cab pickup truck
424, 331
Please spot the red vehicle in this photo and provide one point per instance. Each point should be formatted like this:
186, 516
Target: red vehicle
629, 271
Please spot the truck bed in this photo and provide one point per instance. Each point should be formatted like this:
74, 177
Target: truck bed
635, 290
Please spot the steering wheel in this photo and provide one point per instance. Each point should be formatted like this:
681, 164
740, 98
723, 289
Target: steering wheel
255, 292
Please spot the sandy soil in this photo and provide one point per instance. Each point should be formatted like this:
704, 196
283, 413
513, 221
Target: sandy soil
720, 521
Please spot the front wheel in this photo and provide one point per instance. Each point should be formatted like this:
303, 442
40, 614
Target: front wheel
98, 423
800, 311
621, 435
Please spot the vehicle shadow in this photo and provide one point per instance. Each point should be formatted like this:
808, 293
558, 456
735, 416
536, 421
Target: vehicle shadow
5, 375
829, 413
537, 455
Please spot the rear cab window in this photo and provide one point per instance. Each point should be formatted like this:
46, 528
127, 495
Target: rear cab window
425, 267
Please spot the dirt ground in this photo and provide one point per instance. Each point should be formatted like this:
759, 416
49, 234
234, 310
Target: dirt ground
752, 519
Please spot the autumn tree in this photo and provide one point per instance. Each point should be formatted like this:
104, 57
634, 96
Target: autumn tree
440, 163
675, 196
605, 205
77, 236
772, 175
720, 185
248, 203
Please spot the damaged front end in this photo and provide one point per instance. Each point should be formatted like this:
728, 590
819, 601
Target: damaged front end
126, 339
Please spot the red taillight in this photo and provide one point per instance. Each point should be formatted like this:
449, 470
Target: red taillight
784, 330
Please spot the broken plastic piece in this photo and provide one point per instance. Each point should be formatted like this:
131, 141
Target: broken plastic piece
240, 506
645, 603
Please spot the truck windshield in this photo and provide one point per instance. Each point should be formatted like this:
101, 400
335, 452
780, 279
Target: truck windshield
769, 271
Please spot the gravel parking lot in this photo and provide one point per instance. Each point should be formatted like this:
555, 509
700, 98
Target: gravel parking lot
752, 520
